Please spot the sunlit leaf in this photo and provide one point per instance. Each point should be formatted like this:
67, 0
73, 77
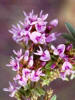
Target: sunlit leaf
54, 97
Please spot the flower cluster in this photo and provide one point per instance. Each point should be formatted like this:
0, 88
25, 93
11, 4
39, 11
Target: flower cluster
39, 60
34, 29
66, 59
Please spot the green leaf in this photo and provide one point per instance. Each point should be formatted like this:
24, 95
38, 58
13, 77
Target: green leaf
27, 87
27, 93
22, 92
41, 91
70, 29
72, 76
54, 97
18, 95
68, 37
38, 91
48, 65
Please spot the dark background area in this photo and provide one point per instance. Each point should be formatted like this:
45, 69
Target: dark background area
11, 11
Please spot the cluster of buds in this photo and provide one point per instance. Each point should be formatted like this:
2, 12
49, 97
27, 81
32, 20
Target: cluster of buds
39, 58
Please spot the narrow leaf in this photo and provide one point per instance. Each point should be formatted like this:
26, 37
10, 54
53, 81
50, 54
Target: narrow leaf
70, 29
68, 37
54, 97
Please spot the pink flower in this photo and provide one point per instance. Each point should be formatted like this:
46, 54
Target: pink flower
32, 18
30, 63
18, 54
42, 39
63, 75
44, 55
43, 17
19, 34
66, 66
39, 72
17, 77
26, 24
24, 36
26, 55
54, 22
28, 59
26, 72
51, 37
15, 31
66, 70
23, 81
59, 50
14, 63
12, 89
37, 37
35, 75
41, 25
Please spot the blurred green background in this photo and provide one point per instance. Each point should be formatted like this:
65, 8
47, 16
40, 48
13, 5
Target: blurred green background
10, 13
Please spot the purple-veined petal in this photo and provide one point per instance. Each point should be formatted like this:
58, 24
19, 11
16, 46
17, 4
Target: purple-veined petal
45, 56
51, 37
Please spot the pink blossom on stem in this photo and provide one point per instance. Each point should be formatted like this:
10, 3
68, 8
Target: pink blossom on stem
37, 37
32, 18
23, 81
19, 35
13, 87
54, 22
42, 39
51, 37
35, 75
31, 62
44, 55
41, 25
59, 50
66, 66
14, 63
66, 70
18, 54
26, 55
26, 72
43, 17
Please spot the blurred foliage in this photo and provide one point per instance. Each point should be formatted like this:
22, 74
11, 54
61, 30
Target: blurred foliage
54, 97
70, 37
